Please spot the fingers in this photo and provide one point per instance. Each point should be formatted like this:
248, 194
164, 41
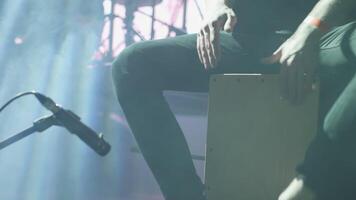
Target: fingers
300, 85
208, 41
202, 45
305, 78
215, 45
274, 58
297, 69
230, 22
211, 46
284, 81
309, 76
296, 85
284, 71
208, 56
208, 45
199, 47
288, 78
293, 79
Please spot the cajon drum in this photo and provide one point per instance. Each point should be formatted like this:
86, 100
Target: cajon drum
255, 139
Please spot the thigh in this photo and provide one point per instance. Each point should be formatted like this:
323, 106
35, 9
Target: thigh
173, 63
328, 163
338, 47
338, 84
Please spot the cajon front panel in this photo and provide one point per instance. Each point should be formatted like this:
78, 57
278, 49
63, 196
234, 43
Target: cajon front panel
255, 140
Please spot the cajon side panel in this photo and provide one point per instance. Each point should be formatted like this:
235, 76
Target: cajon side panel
255, 139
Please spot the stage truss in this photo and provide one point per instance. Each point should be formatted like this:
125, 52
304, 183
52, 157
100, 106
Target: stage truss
127, 23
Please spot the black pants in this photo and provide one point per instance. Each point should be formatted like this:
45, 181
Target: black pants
143, 70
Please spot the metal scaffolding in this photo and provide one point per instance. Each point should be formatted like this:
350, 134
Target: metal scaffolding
132, 7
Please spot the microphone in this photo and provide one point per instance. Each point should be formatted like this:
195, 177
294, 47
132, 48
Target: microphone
72, 123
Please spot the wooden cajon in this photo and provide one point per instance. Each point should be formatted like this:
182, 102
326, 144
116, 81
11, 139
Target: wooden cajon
255, 139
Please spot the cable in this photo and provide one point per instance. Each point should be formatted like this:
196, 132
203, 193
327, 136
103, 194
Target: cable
16, 97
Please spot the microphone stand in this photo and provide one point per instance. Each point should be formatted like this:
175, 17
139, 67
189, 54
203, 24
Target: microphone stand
39, 125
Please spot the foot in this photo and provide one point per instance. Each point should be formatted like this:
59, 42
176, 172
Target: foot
297, 190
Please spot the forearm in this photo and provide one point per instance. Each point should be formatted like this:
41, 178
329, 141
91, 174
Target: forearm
331, 13
213, 5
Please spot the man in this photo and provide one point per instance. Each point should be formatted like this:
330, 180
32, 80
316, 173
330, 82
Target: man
144, 70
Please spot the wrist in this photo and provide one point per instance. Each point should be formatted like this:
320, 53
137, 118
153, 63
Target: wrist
317, 23
309, 32
312, 28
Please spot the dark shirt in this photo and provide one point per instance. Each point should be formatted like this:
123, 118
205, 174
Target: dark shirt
259, 20
258, 16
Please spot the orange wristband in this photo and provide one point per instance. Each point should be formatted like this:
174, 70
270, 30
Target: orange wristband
317, 23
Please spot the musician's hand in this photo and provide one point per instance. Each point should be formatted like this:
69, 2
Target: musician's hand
208, 40
299, 59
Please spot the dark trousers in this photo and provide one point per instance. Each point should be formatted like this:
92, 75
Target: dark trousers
143, 70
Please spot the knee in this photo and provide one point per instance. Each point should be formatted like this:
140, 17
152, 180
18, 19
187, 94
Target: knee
127, 71
337, 125
121, 70
329, 127
123, 63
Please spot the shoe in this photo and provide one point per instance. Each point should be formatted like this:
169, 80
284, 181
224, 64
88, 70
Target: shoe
297, 190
